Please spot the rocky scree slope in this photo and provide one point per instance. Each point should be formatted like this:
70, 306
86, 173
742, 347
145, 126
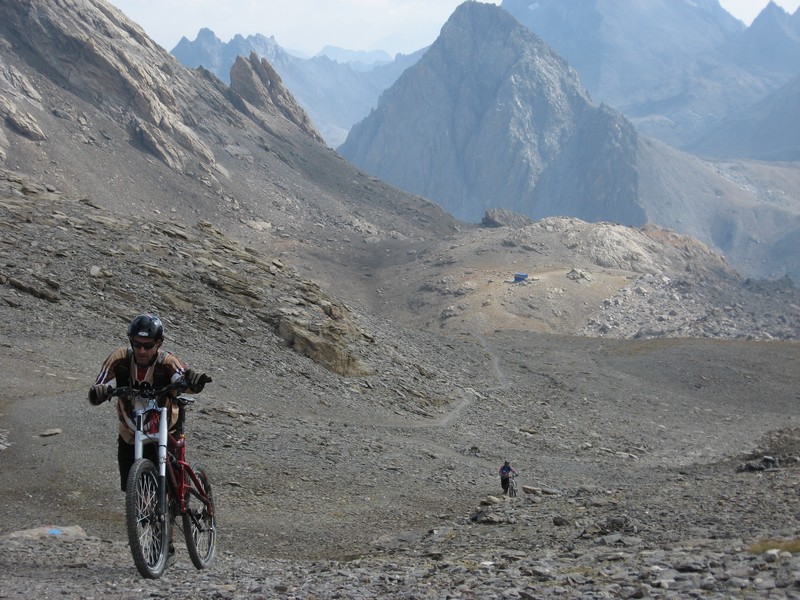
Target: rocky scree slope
643, 461
274, 342
586, 279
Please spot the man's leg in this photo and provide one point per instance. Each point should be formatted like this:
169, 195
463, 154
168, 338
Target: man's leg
125, 460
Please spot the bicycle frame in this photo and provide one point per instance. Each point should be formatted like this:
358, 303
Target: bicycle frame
172, 474
180, 470
512, 484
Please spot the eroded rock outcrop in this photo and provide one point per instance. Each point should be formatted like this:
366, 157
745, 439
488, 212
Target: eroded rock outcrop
500, 217
256, 83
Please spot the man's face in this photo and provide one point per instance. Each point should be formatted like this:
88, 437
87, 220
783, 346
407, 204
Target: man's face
144, 349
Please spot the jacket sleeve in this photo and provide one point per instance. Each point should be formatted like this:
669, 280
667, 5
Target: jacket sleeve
177, 369
107, 373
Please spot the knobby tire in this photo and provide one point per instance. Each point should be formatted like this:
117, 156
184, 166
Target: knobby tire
148, 533
200, 525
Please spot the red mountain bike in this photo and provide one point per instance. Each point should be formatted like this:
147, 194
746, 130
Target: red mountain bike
157, 494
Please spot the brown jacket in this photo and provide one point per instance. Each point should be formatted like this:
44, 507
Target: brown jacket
120, 370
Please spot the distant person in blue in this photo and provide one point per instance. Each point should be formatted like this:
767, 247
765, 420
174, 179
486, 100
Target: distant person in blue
505, 473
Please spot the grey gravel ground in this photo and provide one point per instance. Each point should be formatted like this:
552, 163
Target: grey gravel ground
643, 460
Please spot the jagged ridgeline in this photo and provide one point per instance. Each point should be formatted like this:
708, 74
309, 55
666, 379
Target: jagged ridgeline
96, 109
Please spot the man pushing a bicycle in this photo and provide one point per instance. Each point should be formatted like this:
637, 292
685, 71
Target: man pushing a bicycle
506, 472
143, 364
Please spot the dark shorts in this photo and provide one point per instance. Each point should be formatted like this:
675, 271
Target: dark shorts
504, 482
125, 458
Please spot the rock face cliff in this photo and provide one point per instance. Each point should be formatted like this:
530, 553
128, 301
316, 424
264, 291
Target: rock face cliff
484, 114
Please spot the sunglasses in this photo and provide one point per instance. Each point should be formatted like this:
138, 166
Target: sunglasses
145, 345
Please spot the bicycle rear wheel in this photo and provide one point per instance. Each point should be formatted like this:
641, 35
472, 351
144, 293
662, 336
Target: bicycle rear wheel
148, 532
199, 521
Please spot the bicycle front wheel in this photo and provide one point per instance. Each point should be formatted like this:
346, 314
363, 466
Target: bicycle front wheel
199, 521
148, 532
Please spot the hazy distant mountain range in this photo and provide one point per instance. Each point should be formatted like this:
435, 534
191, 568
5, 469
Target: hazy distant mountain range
767, 131
676, 69
337, 87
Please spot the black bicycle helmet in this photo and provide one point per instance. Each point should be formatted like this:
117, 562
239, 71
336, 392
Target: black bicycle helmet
146, 326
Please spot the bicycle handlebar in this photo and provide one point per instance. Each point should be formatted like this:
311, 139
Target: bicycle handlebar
150, 393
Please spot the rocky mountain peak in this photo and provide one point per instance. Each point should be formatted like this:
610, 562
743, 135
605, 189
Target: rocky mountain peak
211, 53
771, 43
482, 123
256, 81
206, 43
485, 34
499, 105
206, 35
772, 14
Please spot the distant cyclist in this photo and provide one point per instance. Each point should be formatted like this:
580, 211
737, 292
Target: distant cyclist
505, 474
142, 364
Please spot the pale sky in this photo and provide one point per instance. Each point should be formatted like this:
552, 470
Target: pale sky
308, 25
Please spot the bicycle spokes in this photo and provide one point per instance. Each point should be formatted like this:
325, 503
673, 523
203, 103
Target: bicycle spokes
148, 530
199, 524
149, 524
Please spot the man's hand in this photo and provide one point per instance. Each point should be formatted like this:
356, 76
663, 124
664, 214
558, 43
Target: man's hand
99, 393
197, 381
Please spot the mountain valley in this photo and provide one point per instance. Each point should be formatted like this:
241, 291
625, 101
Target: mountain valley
374, 359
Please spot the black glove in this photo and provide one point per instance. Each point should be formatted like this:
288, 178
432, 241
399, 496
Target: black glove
197, 381
99, 393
